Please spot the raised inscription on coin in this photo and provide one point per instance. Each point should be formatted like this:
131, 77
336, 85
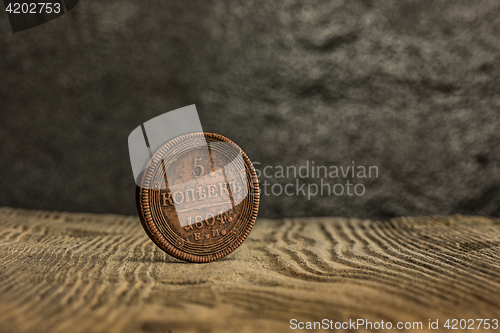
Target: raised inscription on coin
198, 197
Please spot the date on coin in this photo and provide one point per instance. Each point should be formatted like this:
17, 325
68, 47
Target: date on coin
198, 197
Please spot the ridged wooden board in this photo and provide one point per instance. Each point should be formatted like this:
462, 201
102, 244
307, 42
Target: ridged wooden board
66, 272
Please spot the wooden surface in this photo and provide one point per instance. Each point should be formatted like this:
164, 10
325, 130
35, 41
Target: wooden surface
64, 272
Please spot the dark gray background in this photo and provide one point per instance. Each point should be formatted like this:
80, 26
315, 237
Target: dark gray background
412, 87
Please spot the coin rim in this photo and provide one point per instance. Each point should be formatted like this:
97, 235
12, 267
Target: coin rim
156, 236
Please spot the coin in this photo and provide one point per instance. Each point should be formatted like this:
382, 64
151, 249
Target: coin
198, 197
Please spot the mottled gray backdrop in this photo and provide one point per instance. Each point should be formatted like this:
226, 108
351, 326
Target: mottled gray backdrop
412, 87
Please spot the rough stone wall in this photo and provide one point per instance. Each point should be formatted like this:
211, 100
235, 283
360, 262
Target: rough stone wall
412, 87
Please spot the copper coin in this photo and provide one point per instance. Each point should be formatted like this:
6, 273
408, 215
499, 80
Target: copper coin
198, 197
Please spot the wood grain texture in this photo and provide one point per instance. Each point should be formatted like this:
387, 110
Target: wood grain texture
63, 272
